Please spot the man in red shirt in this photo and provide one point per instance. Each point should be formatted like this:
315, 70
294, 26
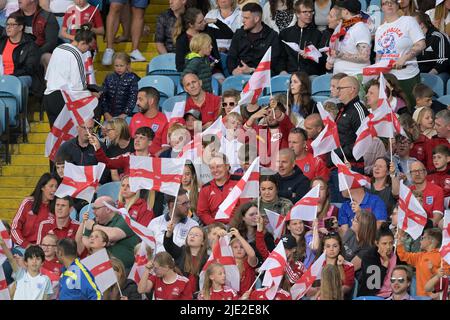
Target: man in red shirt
150, 116
310, 165
62, 226
432, 195
142, 141
215, 192
442, 127
205, 102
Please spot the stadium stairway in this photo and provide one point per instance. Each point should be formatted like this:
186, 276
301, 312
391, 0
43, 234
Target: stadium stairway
28, 163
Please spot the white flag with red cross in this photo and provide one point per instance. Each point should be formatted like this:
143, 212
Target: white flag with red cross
276, 222
89, 67
328, 138
348, 179
412, 218
4, 291
445, 247
306, 208
312, 53
163, 175
141, 231
81, 105
227, 206
80, 181
259, 80
140, 260
177, 113
338, 32
299, 289
63, 130
274, 266
101, 268
4, 234
223, 254
374, 70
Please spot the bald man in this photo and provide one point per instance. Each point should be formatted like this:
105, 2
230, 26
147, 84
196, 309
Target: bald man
432, 195
313, 126
292, 183
351, 113
122, 239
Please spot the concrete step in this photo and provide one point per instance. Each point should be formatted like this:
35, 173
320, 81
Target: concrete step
35, 117
40, 127
144, 47
29, 160
18, 192
135, 66
10, 203
25, 171
18, 181
156, 9
8, 214
29, 148
37, 137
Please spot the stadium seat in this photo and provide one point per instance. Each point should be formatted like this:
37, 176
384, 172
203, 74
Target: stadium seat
161, 64
320, 85
434, 82
169, 103
263, 100
235, 82
215, 86
368, 298
280, 83
11, 92
363, 5
445, 99
421, 297
223, 61
448, 87
109, 189
83, 210
128, 120
4, 128
355, 289
320, 99
163, 84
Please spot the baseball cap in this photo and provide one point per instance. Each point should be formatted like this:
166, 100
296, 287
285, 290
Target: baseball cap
289, 241
354, 6
193, 112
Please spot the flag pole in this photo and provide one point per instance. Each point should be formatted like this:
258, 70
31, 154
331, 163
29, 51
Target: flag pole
118, 287
92, 15
440, 281
349, 194
345, 158
173, 210
254, 282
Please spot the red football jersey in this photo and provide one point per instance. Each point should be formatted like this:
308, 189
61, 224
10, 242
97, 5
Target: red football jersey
260, 294
226, 293
432, 198
180, 289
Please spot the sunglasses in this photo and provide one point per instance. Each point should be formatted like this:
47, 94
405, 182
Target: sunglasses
231, 104
399, 280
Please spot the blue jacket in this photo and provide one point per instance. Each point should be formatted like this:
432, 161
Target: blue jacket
119, 93
77, 283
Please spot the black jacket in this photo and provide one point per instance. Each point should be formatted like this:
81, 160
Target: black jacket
348, 121
437, 47
25, 55
293, 187
290, 59
251, 53
130, 291
182, 49
372, 273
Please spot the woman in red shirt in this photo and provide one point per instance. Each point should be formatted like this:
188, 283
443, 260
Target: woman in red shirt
214, 287
136, 206
33, 210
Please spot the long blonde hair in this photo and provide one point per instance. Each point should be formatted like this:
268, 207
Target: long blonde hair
331, 283
207, 284
150, 198
121, 127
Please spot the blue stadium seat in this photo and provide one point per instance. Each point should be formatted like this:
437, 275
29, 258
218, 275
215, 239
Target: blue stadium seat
320, 99
363, 5
223, 61
421, 297
162, 63
11, 92
215, 86
163, 84
280, 83
235, 82
83, 210
368, 298
434, 82
320, 85
4, 129
448, 86
109, 189
263, 100
445, 99
128, 120
169, 103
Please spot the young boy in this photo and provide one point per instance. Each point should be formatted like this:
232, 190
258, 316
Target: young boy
79, 14
30, 284
429, 246
441, 177
230, 144
401, 158
424, 98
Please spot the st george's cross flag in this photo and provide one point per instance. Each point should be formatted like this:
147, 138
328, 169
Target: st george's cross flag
348, 179
306, 208
328, 138
412, 218
4, 234
445, 247
299, 289
276, 222
140, 260
101, 268
274, 266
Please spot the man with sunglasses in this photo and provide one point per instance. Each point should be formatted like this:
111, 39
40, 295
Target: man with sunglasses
400, 283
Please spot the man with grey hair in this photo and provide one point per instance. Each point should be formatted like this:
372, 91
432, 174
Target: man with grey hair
122, 239
442, 127
292, 183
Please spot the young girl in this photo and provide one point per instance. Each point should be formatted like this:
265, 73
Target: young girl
189, 182
424, 118
197, 61
306, 249
191, 257
119, 92
326, 212
137, 208
161, 275
245, 259
96, 241
330, 284
128, 288
51, 263
214, 287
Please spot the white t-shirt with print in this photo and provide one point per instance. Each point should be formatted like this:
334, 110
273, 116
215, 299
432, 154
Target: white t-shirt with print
395, 39
357, 34
31, 288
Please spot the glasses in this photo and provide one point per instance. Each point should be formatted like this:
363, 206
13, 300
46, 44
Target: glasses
11, 25
185, 204
307, 12
399, 280
340, 88
388, 3
96, 208
231, 104
417, 171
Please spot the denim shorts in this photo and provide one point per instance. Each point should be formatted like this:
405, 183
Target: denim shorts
134, 3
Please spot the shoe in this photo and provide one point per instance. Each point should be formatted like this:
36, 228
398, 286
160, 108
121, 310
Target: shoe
136, 55
107, 57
